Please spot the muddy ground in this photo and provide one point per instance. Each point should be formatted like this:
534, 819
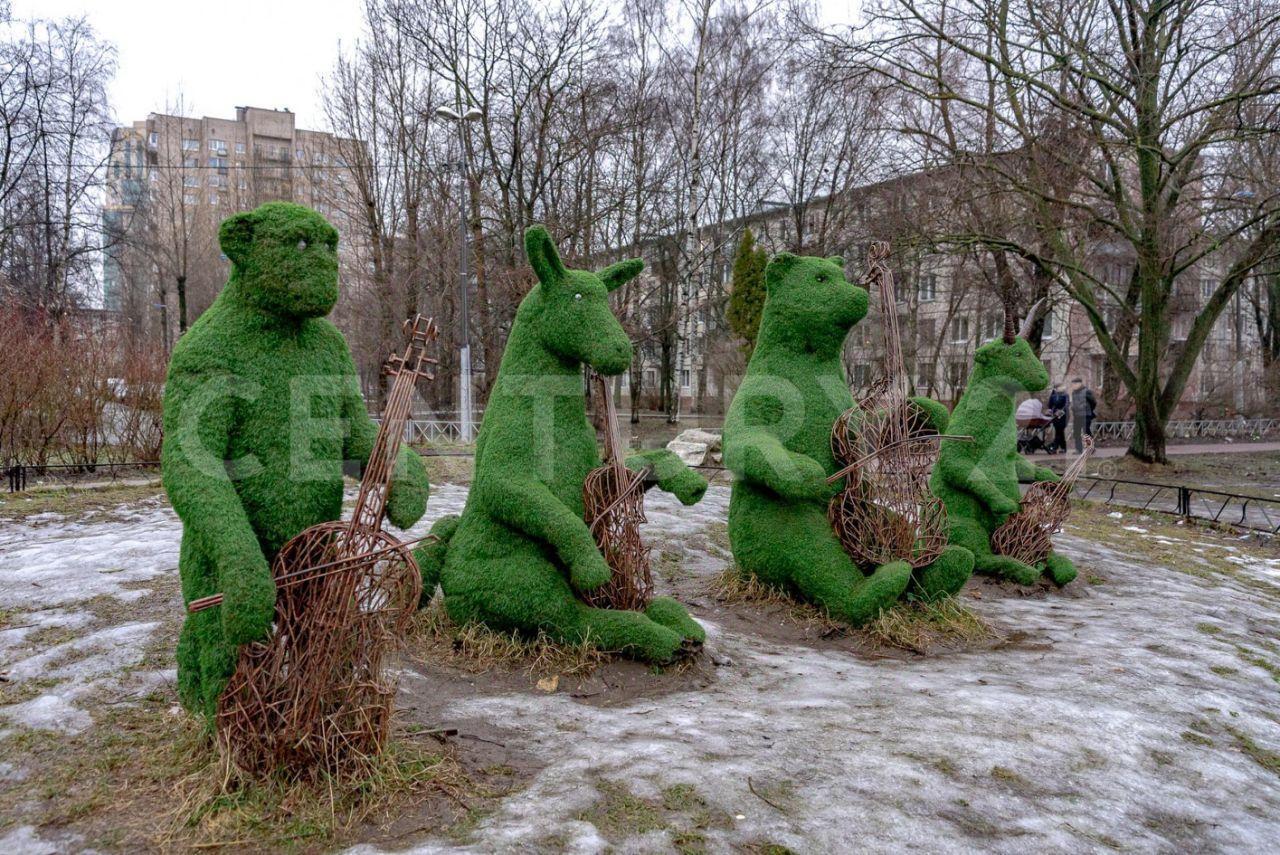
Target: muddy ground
1137, 709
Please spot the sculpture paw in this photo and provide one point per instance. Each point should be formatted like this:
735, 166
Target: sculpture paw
1060, 569
589, 572
248, 603
674, 616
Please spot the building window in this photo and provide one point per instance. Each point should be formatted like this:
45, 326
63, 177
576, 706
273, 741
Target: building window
190, 199
191, 181
189, 144
991, 326
218, 145
684, 378
926, 329
153, 139
924, 375
239, 148
957, 375
1047, 329
1207, 287
960, 329
298, 152
927, 288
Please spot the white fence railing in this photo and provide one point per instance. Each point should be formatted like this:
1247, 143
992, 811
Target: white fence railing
445, 428
1193, 429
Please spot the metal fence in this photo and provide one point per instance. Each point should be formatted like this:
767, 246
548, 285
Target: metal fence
1239, 510
1192, 429
21, 476
1253, 513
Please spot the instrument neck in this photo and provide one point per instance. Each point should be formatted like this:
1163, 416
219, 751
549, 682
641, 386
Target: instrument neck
613, 450
894, 363
374, 486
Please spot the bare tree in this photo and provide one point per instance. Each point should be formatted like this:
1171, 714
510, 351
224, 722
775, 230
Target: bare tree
1151, 94
57, 130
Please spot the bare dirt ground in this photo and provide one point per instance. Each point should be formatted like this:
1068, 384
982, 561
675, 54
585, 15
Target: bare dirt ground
1134, 710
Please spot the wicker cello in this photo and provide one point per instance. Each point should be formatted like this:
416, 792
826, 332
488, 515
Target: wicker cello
613, 500
1027, 536
886, 447
315, 695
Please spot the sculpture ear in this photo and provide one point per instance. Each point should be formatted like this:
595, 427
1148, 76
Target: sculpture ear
543, 257
777, 269
235, 236
620, 273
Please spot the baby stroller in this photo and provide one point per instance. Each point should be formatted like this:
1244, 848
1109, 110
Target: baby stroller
1033, 435
1033, 423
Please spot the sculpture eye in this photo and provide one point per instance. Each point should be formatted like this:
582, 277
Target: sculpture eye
577, 296
822, 277
302, 244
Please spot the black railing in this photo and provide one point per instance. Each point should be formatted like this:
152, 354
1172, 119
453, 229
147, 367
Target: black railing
21, 476
1238, 510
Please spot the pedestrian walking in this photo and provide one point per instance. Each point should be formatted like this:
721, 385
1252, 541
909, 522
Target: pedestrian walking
1083, 407
1059, 403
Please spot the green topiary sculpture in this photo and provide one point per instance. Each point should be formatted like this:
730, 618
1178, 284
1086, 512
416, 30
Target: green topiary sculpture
520, 554
978, 481
777, 442
261, 409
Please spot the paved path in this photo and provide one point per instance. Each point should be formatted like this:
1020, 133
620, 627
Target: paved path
1202, 448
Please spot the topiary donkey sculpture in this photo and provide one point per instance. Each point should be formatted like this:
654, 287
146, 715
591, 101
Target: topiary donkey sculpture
978, 481
520, 556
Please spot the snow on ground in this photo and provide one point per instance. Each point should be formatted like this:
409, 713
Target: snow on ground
1121, 717
1102, 723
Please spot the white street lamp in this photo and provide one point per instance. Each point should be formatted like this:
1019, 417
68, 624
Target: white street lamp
464, 266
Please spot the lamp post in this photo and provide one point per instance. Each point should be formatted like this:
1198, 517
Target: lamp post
464, 266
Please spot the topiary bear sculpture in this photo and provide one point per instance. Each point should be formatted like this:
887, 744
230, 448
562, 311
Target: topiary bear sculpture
520, 556
262, 408
777, 442
978, 481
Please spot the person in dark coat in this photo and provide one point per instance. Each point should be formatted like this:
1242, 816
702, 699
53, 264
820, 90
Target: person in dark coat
1083, 406
1058, 404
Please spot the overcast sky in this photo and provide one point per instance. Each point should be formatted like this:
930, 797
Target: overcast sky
224, 53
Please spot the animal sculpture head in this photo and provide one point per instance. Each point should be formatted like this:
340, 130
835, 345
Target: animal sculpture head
569, 309
284, 260
809, 303
1009, 362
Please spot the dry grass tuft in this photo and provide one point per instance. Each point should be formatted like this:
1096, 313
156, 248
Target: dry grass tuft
918, 626
735, 586
477, 649
913, 626
146, 777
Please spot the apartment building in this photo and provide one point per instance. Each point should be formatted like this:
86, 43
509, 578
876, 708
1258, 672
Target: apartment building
173, 179
946, 309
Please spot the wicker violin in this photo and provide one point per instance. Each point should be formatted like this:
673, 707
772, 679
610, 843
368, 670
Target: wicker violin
1027, 536
315, 695
886, 447
613, 499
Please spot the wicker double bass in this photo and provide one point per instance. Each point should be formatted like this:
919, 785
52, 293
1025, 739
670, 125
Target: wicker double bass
1027, 536
315, 696
613, 499
886, 448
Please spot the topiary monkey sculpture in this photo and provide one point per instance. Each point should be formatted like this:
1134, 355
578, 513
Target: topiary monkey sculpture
978, 481
777, 442
520, 555
262, 408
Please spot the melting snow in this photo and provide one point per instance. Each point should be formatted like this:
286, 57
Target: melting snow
1070, 737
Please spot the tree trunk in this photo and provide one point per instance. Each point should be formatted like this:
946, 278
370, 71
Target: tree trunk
182, 305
